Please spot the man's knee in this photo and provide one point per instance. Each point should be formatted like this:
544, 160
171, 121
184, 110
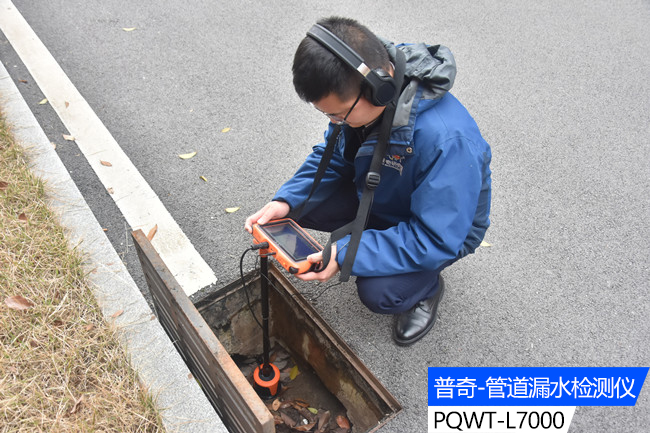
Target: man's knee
378, 298
397, 293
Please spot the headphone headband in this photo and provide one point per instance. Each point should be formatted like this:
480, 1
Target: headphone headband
380, 83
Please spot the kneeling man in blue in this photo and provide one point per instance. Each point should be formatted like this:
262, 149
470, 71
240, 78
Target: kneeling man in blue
402, 179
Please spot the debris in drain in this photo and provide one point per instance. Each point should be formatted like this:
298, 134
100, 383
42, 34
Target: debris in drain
303, 403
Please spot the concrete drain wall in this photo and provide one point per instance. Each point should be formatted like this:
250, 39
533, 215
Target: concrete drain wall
208, 334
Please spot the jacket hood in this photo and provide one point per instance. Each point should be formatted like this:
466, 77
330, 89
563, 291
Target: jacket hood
433, 65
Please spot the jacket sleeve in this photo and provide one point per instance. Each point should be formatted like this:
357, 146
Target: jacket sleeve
296, 189
443, 206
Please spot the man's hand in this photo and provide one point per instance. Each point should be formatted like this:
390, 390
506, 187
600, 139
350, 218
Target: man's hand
327, 273
271, 210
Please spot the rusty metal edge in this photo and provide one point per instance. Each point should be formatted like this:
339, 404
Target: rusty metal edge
343, 347
221, 356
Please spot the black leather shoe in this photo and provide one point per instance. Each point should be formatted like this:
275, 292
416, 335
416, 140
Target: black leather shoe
411, 325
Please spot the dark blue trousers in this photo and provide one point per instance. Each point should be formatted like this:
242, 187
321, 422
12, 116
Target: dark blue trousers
385, 295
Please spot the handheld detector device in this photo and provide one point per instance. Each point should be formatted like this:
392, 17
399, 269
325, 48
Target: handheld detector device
290, 243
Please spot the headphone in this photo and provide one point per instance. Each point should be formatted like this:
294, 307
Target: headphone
379, 82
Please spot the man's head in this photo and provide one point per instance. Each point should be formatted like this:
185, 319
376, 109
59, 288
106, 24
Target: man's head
334, 87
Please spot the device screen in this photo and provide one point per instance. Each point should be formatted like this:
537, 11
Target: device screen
290, 240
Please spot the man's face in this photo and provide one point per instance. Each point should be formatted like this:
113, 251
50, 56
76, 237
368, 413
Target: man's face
356, 111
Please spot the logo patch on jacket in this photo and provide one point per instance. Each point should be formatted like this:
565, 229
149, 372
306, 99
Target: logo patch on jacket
394, 161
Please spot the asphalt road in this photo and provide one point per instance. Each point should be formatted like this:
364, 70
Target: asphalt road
559, 89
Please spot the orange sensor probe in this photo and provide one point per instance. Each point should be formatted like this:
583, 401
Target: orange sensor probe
290, 243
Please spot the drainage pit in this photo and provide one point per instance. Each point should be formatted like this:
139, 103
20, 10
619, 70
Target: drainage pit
222, 343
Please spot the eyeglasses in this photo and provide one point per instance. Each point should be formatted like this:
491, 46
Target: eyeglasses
336, 118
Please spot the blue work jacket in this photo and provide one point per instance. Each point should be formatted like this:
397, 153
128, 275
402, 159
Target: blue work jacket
435, 179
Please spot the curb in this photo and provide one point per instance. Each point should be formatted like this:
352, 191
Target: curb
182, 404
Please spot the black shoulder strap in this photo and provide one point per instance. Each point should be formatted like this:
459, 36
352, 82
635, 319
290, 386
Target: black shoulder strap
320, 172
356, 227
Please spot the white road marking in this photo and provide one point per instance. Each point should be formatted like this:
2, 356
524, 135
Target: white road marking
140, 206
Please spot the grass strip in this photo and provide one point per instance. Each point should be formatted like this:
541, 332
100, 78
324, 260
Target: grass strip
62, 368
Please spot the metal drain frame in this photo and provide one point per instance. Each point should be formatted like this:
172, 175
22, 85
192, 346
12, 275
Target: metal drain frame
229, 392
227, 389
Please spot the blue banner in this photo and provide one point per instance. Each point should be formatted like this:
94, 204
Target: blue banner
535, 386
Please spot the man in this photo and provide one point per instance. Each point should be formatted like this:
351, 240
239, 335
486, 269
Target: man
432, 204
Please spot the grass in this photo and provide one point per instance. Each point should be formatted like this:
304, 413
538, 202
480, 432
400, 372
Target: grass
62, 368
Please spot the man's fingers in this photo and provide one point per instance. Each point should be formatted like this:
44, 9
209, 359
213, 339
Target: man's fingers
315, 258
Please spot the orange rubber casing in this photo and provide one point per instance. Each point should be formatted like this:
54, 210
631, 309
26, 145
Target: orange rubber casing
290, 243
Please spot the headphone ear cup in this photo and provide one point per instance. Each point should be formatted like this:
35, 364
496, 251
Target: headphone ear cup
381, 87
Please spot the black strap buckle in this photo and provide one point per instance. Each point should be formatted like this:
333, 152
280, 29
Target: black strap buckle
372, 179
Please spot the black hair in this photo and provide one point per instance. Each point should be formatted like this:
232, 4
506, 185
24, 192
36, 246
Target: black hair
317, 72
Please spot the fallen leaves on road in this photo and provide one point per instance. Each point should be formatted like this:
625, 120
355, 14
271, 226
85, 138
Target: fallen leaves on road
129, 29
106, 163
232, 209
152, 232
68, 137
203, 178
187, 155
43, 102
485, 244
225, 129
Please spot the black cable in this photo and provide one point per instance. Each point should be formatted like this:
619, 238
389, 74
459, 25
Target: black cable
243, 280
314, 298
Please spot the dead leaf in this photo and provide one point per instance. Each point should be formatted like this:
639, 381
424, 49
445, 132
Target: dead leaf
68, 137
189, 376
485, 244
276, 404
305, 427
342, 422
105, 229
294, 372
225, 130
277, 419
90, 327
18, 303
313, 410
232, 209
187, 155
106, 163
77, 405
67, 104
129, 29
23, 81
152, 232
53, 144
22, 217
287, 419
323, 421
117, 314
286, 404
3, 185
110, 190
301, 403
43, 102
203, 178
